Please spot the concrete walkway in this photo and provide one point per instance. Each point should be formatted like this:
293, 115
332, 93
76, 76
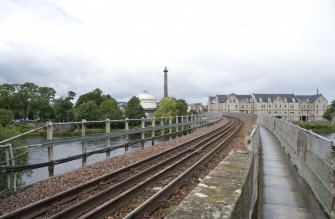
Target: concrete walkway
283, 192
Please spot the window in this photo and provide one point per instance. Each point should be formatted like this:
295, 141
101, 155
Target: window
236, 106
285, 106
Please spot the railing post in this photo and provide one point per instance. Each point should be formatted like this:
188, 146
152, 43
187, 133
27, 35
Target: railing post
177, 127
182, 122
126, 137
170, 131
11, 155
108, 139
153, 125
162, 124
142, 131
84, 144
187, 125
7, 164
50, 148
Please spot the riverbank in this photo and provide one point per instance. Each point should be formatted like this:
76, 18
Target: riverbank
318, 128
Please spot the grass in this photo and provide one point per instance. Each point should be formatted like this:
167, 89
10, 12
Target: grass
318, 127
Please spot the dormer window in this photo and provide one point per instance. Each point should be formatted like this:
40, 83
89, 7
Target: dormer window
285, 100
269, 99
260, 99
246, 100
293, 100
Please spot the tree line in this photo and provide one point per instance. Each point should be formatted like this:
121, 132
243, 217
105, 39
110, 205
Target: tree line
29, 101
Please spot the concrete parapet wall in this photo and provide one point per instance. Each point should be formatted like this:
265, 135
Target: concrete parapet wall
312, 154
229, 191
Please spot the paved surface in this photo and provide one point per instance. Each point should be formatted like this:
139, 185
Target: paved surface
283, 192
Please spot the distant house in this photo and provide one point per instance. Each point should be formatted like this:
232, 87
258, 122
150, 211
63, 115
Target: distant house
122, 105
286, 106
196, 108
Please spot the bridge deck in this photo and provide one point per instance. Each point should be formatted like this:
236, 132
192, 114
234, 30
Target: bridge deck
283, 192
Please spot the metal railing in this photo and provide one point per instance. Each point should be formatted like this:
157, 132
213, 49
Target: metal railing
312, 154
167, 126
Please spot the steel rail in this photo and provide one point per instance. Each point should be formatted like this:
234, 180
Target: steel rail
30, 210
103, 196
150, 205
118, 201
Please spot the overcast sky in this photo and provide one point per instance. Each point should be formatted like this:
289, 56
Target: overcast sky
209, 47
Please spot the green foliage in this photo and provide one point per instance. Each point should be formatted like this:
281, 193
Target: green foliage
109, 109
27, 100
171, 107
95, 95
5, 133
6, 117
330, 111
166, 107
181, 107
318, 128
134, 110
89, 111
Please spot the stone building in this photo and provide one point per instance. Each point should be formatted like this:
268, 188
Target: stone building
286, 106
148, 102
196, 108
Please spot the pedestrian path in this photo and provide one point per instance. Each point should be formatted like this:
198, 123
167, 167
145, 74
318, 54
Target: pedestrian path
283, 192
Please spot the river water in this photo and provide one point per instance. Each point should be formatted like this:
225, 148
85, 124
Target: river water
331, 136
40, 154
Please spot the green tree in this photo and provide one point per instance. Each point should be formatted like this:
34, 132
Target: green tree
134, 110
25, 95
109, 109
5, 133
7, 92
330, 110
95, 95
181, 107
40, 105
166, 107
6, 117
63, 106
89, 111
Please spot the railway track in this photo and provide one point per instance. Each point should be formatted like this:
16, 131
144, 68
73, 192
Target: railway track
73, 202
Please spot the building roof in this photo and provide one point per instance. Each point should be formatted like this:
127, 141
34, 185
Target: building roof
221, 98
271, 97
145, 95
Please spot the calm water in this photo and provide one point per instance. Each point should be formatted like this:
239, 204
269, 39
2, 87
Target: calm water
40, 154
331, 136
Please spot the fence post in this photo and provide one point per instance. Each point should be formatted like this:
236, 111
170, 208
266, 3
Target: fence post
142, 131
126, 137
108, 140
11, 155
162, 124
177, 127
7, 164
50, 148
187, 125
170, 131
153, 125
84, 144
182, 122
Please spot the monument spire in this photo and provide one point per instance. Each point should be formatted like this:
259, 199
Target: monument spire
165, 82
